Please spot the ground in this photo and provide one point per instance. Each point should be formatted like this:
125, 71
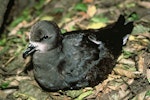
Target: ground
130, 77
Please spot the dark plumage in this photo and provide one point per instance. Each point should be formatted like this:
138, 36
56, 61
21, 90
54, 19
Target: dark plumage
76, 59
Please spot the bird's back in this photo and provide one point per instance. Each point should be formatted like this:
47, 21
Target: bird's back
91, 54
84, 60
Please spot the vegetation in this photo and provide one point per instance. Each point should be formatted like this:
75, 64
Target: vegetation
130, 78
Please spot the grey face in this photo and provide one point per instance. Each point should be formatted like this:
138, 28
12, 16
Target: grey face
44, 36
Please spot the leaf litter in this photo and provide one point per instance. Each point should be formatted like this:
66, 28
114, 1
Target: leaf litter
130, 78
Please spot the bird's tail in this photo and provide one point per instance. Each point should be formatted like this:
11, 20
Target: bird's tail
123, 26
115, 36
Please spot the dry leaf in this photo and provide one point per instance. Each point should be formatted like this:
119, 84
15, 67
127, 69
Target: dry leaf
55, 93
88, 1
14, 83
19, 78
131, 38
96, 25
24, 24
91, 10
49, 18
148, 74
1, 48
127, 62
113, 87
126, 73
141, 67
141, 96
3, 95
27, 61
145, 4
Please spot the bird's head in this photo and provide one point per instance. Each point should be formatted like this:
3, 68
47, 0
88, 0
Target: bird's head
44, 36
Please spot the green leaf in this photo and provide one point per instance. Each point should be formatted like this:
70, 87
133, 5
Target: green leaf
148, 93
140, 29
149, 80
63, 31
83, 95
130, 68
130, 5
133, 17
25, 16
50, 18
127, 54
4, 85
81, 7
99, 19
58, 10
74, 93
3, 41
40, 4
17, 21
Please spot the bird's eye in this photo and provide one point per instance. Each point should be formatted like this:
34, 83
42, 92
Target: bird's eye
44, 37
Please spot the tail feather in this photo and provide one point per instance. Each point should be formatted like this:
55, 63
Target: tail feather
122, 27
127, 30
120, 22
115, 36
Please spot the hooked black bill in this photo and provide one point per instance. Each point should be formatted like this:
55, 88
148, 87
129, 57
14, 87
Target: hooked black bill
30, 49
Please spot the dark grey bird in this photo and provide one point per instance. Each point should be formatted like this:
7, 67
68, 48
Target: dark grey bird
75, 59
